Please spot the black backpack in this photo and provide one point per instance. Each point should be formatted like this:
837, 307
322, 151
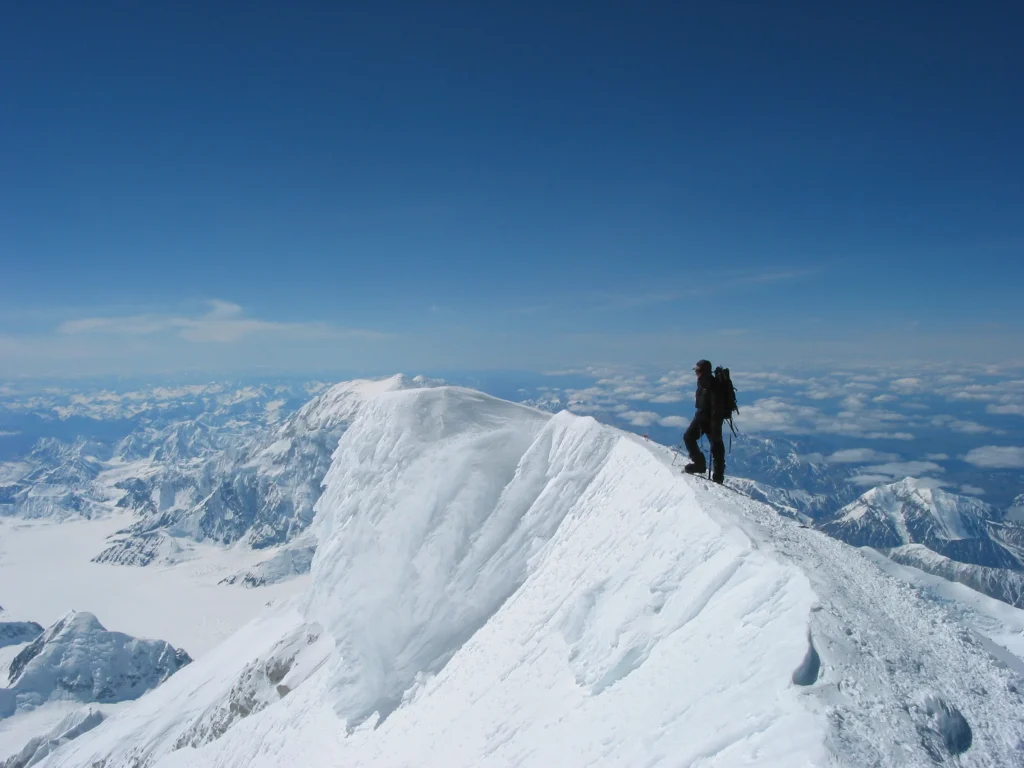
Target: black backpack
727, 393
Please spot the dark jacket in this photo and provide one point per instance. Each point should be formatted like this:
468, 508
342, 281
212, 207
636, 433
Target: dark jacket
706, 399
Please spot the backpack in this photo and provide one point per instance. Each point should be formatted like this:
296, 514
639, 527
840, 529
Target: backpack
727, 393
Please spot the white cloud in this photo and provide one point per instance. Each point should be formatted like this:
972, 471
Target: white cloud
854, 403
908, 386
1009, 409
968, 427
579, 407
900, 469
937, 456
774, 414
640, 418
8, 433
996, 457
223, 322
674, 421
972, 490
860, 456
811, 458
885, 399
960, 425
668, 397
768, 377
871, 480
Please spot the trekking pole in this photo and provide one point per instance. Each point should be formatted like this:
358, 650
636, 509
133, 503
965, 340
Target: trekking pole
676, 453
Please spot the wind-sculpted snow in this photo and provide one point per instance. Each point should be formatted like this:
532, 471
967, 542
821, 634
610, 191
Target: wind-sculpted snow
77, 658
494, 587
445, 542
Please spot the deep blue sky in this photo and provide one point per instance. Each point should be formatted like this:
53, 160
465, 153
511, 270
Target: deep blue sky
465, 185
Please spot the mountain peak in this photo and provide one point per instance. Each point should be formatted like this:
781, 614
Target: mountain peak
78, 658
915, 511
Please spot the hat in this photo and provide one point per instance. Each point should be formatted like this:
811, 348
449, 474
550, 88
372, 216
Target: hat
702, 365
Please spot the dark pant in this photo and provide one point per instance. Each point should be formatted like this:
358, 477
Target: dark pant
703, 425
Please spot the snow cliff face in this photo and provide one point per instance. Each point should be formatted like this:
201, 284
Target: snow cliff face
77, 658
493, 586
961, 528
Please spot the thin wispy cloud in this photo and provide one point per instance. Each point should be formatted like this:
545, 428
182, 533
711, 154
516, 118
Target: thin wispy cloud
860, 456
776, 276
223, 322
607, 302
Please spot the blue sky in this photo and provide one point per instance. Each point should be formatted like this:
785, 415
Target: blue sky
307, 186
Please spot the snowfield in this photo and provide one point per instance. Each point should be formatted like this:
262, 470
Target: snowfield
494, 587
45, 571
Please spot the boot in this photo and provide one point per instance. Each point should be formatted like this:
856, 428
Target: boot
696, 467
718, 473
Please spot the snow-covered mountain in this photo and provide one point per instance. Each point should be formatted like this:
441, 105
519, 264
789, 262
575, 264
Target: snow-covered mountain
109, 439
57, 479
1000, 583
65, 680
77, 658
162, 404
293, 559
785, 475
1016, 510
493, 586
961, 528
958, 538
18, 632
260, 490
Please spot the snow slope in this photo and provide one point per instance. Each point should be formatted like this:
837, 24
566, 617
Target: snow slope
496, 587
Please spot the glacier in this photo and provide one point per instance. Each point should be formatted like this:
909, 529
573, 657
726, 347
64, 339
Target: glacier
493, 585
